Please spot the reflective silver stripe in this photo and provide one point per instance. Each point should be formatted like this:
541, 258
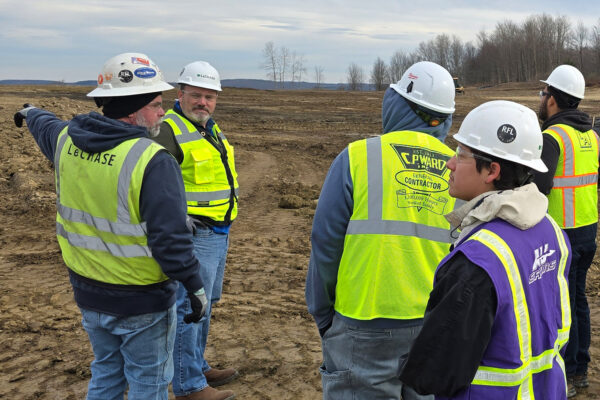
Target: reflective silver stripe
569, 170
400, 228
375, 178
494, 376
95, 243
581, 180
209, 196
569, 155
101, 224
186, 134
563, 333
131, 160
59, 146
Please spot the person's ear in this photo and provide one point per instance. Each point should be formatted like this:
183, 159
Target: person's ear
493, 172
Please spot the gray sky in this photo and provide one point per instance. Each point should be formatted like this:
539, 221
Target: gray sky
71, 39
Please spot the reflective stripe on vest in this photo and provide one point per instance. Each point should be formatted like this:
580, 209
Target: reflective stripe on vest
397, 233
203, 201
522, 376
101, 234
566, 184
375, 223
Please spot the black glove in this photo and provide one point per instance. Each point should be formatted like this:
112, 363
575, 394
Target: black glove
199, 303
21, 115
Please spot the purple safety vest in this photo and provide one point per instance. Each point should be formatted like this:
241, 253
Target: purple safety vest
529, 270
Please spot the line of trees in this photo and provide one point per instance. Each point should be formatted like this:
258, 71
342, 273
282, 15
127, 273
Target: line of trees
510, 53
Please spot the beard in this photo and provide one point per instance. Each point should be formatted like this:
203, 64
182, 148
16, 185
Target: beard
199, 117
153, 130
543, 111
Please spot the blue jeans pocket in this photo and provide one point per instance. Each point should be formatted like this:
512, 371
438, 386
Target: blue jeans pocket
336, 384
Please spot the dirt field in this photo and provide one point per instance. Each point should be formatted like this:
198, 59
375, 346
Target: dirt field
285, 142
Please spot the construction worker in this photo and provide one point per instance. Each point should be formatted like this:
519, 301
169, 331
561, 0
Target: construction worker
122, 232
571, 184
377, 235
208, 168
498, 314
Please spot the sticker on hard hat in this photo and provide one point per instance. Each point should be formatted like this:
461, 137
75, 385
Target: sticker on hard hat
507, 133
100, 79
138, 60
125, 76
145, 73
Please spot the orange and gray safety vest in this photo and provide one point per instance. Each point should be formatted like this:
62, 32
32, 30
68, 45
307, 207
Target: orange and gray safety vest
573, 200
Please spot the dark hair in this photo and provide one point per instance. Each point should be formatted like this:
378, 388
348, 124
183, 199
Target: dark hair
563, 100
512, 174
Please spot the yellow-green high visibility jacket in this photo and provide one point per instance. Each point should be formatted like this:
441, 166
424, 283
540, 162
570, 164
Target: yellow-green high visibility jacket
99, 227
397, 233
573, 200
209, 175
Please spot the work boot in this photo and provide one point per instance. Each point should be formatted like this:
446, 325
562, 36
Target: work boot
571, 392
217, 377
581, 381
209, 393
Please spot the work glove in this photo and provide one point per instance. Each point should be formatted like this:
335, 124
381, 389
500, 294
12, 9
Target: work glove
190, 224
199, 303
21, 115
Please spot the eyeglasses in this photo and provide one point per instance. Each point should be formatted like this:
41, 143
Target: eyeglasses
542, 93
462, 155
155, 106
198, 96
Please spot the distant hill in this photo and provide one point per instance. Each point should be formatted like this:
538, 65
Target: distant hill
260, 84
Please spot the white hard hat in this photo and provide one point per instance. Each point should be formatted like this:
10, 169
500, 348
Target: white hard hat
568, 79
429, 85
506, 130
200, 74
129, 74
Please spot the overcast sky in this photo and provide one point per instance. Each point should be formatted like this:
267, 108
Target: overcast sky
71, 40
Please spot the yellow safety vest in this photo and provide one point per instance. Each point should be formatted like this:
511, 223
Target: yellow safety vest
211, 186
397, 233
573, 200
98, 223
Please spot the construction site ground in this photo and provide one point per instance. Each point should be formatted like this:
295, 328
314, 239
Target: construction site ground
284, 143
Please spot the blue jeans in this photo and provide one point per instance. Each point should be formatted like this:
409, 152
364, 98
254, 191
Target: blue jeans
135, 351
363, 364
190, 340
583, 249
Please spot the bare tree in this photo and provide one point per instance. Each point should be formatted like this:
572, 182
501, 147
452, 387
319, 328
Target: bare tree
581, 36
270, 60
398, 64
318, 75
284, 64
297, 67
355, 77
379, 74
456, 56
595, 38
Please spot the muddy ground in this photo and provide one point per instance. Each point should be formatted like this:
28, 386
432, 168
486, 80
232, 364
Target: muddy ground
285, 142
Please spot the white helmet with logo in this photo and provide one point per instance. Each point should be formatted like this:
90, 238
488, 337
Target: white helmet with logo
568, 79
129, 74
506, 130
429, 85
200, 74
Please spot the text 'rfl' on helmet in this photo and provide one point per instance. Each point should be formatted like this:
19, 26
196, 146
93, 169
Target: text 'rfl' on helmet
506, 130
129, 74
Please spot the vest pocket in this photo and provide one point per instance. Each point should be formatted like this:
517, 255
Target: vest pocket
203, 166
